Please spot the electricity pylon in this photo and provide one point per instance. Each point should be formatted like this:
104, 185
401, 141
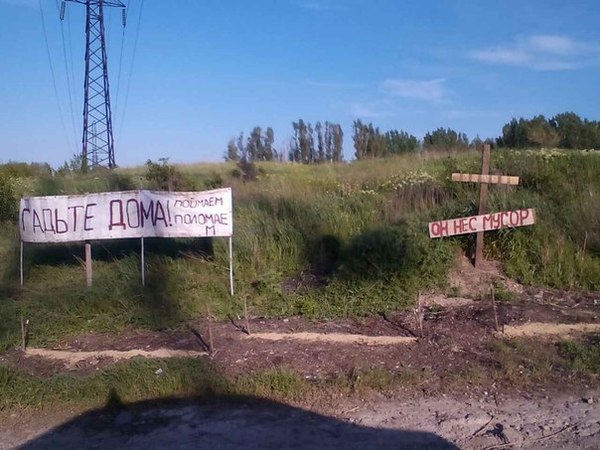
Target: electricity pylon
97, 141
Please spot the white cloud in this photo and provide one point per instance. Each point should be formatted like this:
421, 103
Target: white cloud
541, 52
427, 90
560, 45
363, 111
502, 56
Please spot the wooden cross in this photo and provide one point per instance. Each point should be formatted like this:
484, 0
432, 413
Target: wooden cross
483, 222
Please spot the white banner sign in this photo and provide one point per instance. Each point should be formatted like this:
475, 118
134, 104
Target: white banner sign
486, 222
132, 214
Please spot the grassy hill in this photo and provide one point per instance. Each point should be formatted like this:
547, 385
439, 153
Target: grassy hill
324, 241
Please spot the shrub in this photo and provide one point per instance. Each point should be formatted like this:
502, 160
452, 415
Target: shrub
8, 200
379, 252
163, 176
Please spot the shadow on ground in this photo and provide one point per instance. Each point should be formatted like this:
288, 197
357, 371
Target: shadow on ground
222, 423
73, 253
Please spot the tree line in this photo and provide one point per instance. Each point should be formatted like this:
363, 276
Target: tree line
323, 142
258, 146
309, 144
566, 130
318, 144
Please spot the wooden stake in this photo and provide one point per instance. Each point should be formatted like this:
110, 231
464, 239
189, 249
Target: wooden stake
88, 263
23, 334
231, 265
211, 346
142, 262
493, 298
419, 315
246, 314
483, 198
21, 263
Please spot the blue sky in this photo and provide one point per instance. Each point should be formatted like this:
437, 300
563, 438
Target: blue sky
204, 70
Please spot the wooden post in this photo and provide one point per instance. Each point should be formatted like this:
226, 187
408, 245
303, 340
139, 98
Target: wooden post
231, 265
21, 263
483, 222
211, 345
483, 198
493, 297
23, 334
418, 311
88, 263
246, 314
143, 262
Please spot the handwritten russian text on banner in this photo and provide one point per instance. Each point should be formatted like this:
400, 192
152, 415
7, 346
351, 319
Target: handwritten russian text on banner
132, 214
485, 222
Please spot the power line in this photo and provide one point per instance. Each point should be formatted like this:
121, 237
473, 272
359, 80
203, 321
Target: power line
71, 53
137, 34
62, 121
69, 90
121, 62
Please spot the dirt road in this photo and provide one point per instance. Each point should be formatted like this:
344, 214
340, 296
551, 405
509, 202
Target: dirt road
513, 397
559, 422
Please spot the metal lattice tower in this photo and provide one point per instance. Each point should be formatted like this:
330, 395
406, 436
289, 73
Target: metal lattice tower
97, 141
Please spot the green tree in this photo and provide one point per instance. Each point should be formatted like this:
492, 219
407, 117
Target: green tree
570, 128
514, 134
327, 136
302, 149
360, 137
337, 136
476, 143
377, 146
523, 133
232, 153
269, 152
540, 133
328, 141
320, 143
368, 141
591, 135
400, 142
445, 139
242, 149
8, 200
255, 144
163, 176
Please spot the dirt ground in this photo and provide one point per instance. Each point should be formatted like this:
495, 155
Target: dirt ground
441, 408
565, 421
456, 334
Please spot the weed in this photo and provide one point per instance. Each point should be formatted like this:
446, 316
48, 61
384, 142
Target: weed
502, 293
358, 229
132, 381
273, 384
582, 356
522, 362
8, 200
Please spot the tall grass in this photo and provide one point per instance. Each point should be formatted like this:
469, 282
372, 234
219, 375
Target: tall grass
331, 240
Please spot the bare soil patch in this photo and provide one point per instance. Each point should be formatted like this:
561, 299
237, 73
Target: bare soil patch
471, 282
72, 358
563, 421
335, 338
563, 330
449, 390
458, 336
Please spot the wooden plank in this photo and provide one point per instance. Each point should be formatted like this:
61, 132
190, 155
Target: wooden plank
482, 223
490, 179
483, 198
88, 263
